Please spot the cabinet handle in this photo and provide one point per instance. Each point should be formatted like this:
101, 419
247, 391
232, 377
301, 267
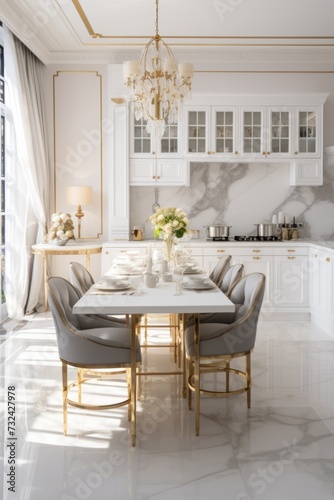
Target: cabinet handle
236, 152
153, 152
256, 251
221, 251
268, 152
256, 258
296, 152
264, 153
291, 250
328, 259
153, 177
290, 257
158, 177
316, 255
107, 253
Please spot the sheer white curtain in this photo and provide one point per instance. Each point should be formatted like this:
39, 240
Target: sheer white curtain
27, 176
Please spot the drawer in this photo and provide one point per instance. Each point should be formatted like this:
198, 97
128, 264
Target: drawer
257, 251
218, 250
290, 250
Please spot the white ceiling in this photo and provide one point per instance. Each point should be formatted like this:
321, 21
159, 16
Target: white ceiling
209, 32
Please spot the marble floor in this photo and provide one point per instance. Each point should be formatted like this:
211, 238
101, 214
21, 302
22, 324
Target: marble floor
280, 449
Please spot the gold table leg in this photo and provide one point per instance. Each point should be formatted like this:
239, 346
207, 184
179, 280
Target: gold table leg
133, 379
196, 374
45, 278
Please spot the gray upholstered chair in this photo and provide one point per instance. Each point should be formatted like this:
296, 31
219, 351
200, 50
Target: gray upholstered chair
220, 270
80, 277
89, 348
82, 280
232, 275
220, 343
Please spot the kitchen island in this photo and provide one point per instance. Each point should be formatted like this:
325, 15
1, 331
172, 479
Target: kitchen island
300, 273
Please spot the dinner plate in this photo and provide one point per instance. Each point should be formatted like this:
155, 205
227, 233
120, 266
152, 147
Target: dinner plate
200, 286
112, 288
193, 271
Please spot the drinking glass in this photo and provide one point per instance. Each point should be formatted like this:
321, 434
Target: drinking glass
135, 279
177, 278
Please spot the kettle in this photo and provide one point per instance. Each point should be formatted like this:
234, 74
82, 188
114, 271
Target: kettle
137, 233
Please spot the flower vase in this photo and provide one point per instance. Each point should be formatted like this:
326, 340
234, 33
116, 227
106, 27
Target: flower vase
59, 242
169, 247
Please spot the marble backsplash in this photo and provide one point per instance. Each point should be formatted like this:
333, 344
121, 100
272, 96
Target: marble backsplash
241, 195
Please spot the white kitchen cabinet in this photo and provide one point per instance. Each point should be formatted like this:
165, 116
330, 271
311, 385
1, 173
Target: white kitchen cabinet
210, 130
145, 145
163, 172
266, 131
321, 275
290, 281
306, 173
259, 263
308, 132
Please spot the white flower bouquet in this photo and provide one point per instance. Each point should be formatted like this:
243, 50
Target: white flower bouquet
62, 227
169, 221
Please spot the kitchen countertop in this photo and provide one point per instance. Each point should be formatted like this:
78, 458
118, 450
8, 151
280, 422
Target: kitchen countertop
201, 242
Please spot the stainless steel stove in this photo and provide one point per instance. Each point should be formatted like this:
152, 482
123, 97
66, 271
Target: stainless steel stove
256, 238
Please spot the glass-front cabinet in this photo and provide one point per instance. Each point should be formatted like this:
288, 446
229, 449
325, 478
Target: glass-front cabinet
210, 130
308, 132
145, 145
266, 132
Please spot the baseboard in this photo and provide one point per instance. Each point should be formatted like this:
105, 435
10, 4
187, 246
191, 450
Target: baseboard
284, 316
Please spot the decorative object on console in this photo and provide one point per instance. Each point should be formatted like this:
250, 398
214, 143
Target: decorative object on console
79, 195
171, 223
61, 230
156, 84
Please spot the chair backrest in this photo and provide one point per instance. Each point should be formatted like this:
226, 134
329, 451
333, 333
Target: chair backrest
232, 275
220, 270
80, 277
247, 294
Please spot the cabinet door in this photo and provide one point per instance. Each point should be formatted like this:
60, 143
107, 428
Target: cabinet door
252, 132
306, 173
158, 172
223, 131
308, 133
279, 140
197, 130
171, 172
314, 279
290, 282
258, 264
142, 172
141, 143
169, 146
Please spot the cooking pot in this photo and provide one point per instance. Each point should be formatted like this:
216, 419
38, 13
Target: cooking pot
217, 231
266, 230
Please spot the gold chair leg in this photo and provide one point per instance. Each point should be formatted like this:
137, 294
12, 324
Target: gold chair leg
189, 375
197, 375
133, 379
64, 382
227, 376
128, 380
79, 378
248, 379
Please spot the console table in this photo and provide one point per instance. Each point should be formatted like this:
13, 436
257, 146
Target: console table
46, 249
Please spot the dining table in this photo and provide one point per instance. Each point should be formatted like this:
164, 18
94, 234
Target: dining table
161, 299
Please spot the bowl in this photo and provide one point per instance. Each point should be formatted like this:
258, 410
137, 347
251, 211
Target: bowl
198, 280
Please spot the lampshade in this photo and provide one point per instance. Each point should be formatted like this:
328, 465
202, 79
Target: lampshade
79, 195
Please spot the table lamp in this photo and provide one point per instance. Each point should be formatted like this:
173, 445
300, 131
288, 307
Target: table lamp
79, 195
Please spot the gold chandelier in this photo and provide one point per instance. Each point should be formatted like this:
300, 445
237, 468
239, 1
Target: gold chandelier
157, 85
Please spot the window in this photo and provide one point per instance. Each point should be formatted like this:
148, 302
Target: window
3, 313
